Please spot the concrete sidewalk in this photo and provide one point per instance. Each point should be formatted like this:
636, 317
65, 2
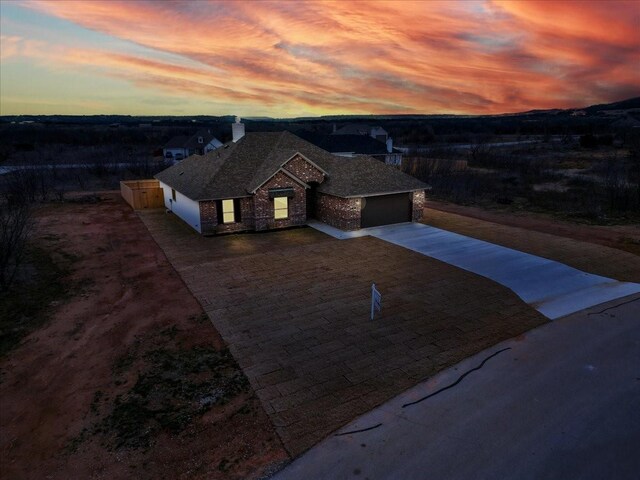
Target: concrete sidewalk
557, 402
551, 287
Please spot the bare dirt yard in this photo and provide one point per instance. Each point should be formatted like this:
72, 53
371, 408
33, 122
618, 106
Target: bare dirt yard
610, 251
127, 378
622, 237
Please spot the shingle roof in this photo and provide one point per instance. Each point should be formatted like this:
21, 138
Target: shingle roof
177, 142
362, 176
361, 144
354, 129
193, 174
238, 168
191, 143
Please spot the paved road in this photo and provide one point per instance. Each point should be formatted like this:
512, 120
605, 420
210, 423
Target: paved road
561, 402
551, 287
5, 169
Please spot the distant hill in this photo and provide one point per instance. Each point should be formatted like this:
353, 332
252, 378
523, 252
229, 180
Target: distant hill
622, 107
631, 103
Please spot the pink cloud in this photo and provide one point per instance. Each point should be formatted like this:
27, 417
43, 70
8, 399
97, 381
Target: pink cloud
13, 46
367, 56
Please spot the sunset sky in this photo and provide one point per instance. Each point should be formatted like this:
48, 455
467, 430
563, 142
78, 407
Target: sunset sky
295, 58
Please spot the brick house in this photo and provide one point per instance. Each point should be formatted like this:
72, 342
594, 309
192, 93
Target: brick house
264, 181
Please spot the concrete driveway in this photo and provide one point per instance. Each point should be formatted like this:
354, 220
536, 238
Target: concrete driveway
560, 401
551, 287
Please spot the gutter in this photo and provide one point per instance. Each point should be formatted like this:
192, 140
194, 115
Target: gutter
379, 194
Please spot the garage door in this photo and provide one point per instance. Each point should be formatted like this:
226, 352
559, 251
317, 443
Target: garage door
386, 209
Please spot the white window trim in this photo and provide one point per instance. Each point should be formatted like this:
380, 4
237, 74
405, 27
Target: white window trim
277, 210
227, 212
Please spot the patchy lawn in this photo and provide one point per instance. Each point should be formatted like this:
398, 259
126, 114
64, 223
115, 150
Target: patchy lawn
122, 375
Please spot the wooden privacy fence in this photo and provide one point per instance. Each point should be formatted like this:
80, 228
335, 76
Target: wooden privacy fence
142, 194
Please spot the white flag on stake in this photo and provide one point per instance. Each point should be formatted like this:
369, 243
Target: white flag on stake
376, 300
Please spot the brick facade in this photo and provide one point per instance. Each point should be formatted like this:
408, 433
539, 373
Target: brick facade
264, 205
209, 217
342, 213
257, 212
418, 206
303, 170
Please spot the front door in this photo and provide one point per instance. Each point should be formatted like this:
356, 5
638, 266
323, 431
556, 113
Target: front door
312, 196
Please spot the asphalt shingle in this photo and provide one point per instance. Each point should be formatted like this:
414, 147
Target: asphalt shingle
237, 169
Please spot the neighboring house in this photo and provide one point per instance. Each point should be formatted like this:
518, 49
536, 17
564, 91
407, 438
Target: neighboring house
174, 149
351, 145
181, 147
275, 180
378, 133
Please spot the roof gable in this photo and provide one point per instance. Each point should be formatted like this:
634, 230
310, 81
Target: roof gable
192, 142
310, 162
290, 174
207, 137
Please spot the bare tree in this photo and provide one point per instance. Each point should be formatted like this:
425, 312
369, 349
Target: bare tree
480, 152
15, 225
21, 186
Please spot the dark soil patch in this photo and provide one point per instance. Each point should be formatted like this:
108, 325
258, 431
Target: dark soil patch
176, 386
29, 302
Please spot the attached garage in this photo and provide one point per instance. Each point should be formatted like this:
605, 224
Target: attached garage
386, 209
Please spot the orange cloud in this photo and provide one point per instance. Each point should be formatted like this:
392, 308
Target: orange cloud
612, 23
366, 56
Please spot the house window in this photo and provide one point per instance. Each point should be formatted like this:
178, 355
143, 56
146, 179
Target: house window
228, 211
173, 194
280, 207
